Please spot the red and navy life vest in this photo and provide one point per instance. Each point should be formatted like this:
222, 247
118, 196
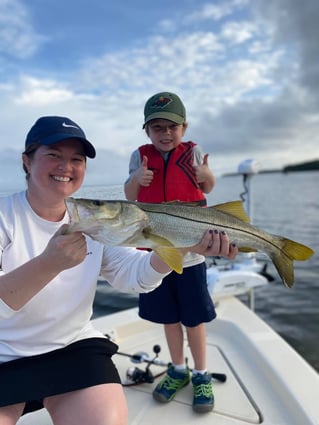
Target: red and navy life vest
174, 179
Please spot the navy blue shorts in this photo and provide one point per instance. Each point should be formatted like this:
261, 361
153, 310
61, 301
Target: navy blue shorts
180, 298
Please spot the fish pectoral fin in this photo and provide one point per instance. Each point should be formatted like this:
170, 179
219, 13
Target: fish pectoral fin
172, 257
234, 208
156, 239
166, 251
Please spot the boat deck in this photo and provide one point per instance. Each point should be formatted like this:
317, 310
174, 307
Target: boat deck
267, 382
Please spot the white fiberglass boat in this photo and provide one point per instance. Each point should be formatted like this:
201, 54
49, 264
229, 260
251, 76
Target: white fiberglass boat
258, 377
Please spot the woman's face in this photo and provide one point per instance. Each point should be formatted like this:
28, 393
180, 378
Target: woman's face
57, 170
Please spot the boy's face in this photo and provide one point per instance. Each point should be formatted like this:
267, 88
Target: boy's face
164, 134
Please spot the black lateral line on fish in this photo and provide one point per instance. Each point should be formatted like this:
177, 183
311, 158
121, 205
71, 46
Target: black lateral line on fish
246, 231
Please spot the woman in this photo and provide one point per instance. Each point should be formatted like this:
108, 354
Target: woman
50, 354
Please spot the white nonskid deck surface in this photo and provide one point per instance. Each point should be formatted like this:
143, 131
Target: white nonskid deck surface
143, 408
266, 379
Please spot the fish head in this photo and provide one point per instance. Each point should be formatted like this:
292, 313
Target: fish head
92, 209
107, 221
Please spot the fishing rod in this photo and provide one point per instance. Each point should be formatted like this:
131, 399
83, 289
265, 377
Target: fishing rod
137, 376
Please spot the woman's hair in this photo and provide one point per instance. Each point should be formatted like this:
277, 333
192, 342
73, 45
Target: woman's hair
29, 152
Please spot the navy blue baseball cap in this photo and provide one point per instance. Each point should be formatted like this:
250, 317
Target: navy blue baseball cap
50, 130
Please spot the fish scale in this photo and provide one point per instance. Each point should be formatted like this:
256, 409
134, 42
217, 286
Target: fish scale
166, 227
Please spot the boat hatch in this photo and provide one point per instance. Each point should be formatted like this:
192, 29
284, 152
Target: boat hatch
232, 402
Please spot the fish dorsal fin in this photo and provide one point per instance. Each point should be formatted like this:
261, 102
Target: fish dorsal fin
234, 208
172, 257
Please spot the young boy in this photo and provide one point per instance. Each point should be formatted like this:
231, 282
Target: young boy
169, 169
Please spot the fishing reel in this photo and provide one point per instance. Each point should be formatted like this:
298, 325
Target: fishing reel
135, 375
139, 376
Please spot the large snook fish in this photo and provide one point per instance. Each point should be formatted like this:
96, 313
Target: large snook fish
168, 226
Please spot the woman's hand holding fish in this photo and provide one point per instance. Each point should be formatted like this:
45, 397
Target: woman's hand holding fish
65, 250
215, 243
62, 252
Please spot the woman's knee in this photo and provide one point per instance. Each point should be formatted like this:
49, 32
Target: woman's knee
9, 415
101, 404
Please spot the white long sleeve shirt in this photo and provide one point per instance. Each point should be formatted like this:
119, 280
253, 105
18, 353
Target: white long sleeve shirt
60, 313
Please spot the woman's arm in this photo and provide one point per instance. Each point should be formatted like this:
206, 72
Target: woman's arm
18, 286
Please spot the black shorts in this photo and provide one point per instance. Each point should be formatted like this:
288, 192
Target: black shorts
180, 298
79, 365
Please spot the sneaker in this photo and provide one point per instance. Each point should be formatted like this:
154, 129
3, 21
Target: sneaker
173, 381
203, 400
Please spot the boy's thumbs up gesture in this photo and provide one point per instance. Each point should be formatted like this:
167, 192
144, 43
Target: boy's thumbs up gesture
144, 175
204, 176
202, 171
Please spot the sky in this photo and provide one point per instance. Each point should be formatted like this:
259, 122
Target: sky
246, 70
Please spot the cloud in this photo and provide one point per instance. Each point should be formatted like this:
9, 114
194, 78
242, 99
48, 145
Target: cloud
35, 92
247, 72
213, 12
295, 24
17, 36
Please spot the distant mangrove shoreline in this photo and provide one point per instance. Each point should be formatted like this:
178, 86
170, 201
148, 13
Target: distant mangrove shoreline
303, 166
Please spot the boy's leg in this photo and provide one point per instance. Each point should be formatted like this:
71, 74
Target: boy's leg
175, 341
175, 379
196, 337
203, 400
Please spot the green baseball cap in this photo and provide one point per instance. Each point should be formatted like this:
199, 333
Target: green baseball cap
164, 105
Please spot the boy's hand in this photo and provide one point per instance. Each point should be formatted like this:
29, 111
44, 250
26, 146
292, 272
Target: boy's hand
202, 171
143, 174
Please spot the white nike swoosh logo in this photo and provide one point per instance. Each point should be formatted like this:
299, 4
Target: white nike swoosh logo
64, 124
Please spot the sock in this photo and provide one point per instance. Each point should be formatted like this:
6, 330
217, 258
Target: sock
180, 367
200, 372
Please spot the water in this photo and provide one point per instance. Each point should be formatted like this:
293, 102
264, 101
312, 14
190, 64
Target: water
286, 204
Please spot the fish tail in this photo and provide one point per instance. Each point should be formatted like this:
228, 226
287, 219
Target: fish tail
284, 266
284, 257
297, 251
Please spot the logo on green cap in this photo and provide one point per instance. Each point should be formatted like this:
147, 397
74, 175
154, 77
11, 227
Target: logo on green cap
161, 102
